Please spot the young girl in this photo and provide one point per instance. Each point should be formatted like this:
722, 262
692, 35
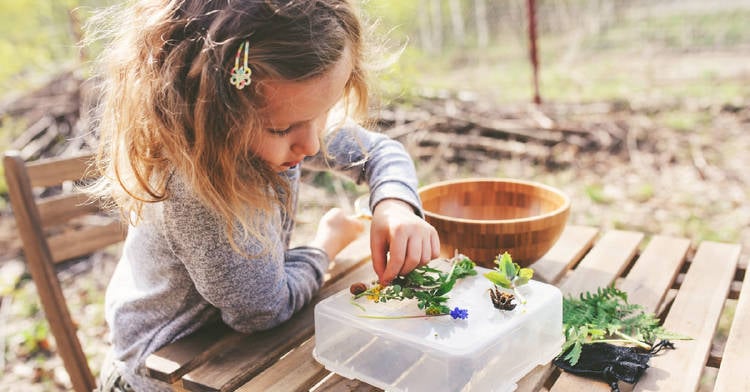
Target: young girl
210, 109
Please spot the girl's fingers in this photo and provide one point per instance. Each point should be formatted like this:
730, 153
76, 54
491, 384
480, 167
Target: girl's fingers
414, 255
426, 251
435, 243
378, 246
397, 252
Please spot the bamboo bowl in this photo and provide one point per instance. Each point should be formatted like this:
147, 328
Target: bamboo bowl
484, 217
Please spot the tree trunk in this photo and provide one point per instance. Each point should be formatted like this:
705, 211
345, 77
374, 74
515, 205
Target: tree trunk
423, 22
436, 16
483, 34
457, 21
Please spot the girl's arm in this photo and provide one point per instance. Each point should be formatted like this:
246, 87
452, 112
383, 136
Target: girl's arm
371, 158
251, 293
400, 239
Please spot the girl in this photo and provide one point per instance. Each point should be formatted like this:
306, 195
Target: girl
210, 109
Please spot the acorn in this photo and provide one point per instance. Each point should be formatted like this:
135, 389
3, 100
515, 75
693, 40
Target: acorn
357, 288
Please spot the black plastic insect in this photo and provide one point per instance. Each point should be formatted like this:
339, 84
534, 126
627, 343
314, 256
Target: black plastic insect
502, 300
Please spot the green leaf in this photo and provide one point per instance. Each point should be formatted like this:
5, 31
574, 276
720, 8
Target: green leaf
506, 266
597, 333
464, 268
574, 354
499, 279
445, 287
524, 276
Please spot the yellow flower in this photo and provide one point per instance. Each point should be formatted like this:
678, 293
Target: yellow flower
374, 293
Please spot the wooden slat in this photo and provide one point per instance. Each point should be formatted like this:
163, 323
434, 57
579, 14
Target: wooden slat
53, 171
60, 209
171, 362
695, 312
535, 379
297, 371
574, 242
646, 284
253, 354
175, 360
72, 244
653, 273
733, 374
606, 261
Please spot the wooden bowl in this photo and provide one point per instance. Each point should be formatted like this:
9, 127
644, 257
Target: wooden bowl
484, 217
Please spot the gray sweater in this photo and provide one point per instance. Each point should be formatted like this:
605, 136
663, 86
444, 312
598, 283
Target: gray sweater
178, 272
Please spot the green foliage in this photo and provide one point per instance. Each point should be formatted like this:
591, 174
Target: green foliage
40, 38
330, 182
696, 227
509, 275
606, 316
724, 28
392, 17
576, 65
683, 120
9, 129
36, 38
429, 286
644, 192
596, 193
35, 339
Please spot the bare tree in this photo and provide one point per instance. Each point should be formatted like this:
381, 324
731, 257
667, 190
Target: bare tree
423, 23
436, 17
457, 21
483, 34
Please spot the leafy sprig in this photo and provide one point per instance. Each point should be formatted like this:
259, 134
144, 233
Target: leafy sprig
606, 316
510, 275
428, 285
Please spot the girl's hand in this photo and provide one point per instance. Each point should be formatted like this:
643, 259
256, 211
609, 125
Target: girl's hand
410, 240
336, 230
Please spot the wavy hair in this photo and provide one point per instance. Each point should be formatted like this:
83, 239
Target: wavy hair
167, 104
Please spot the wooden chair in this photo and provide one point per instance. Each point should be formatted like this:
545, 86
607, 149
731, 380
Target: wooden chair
57, 223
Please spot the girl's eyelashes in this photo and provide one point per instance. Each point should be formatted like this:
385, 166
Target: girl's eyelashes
280, 132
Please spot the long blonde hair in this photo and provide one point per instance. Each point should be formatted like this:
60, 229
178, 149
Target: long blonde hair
167, 104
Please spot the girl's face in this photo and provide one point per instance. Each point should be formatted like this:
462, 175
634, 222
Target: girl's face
296, 113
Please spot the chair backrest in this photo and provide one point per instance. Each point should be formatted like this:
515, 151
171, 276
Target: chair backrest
57, 223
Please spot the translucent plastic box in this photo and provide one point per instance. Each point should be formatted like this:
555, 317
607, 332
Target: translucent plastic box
489, 351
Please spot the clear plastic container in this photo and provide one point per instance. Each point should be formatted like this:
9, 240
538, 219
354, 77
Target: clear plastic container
489, 351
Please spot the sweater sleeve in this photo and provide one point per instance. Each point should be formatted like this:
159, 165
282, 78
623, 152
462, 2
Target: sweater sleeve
252, 292
372, 158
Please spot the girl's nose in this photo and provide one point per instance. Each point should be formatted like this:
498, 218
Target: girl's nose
308, 141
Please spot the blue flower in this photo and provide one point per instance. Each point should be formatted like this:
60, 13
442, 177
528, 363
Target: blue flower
457, 313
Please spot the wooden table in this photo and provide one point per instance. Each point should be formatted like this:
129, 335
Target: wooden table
688, 284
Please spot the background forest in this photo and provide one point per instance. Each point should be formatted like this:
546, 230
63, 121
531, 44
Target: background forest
644, 122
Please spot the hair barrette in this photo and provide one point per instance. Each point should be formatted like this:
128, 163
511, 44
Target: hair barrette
241, 75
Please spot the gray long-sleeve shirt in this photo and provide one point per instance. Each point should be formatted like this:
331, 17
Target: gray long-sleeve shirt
178, 271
